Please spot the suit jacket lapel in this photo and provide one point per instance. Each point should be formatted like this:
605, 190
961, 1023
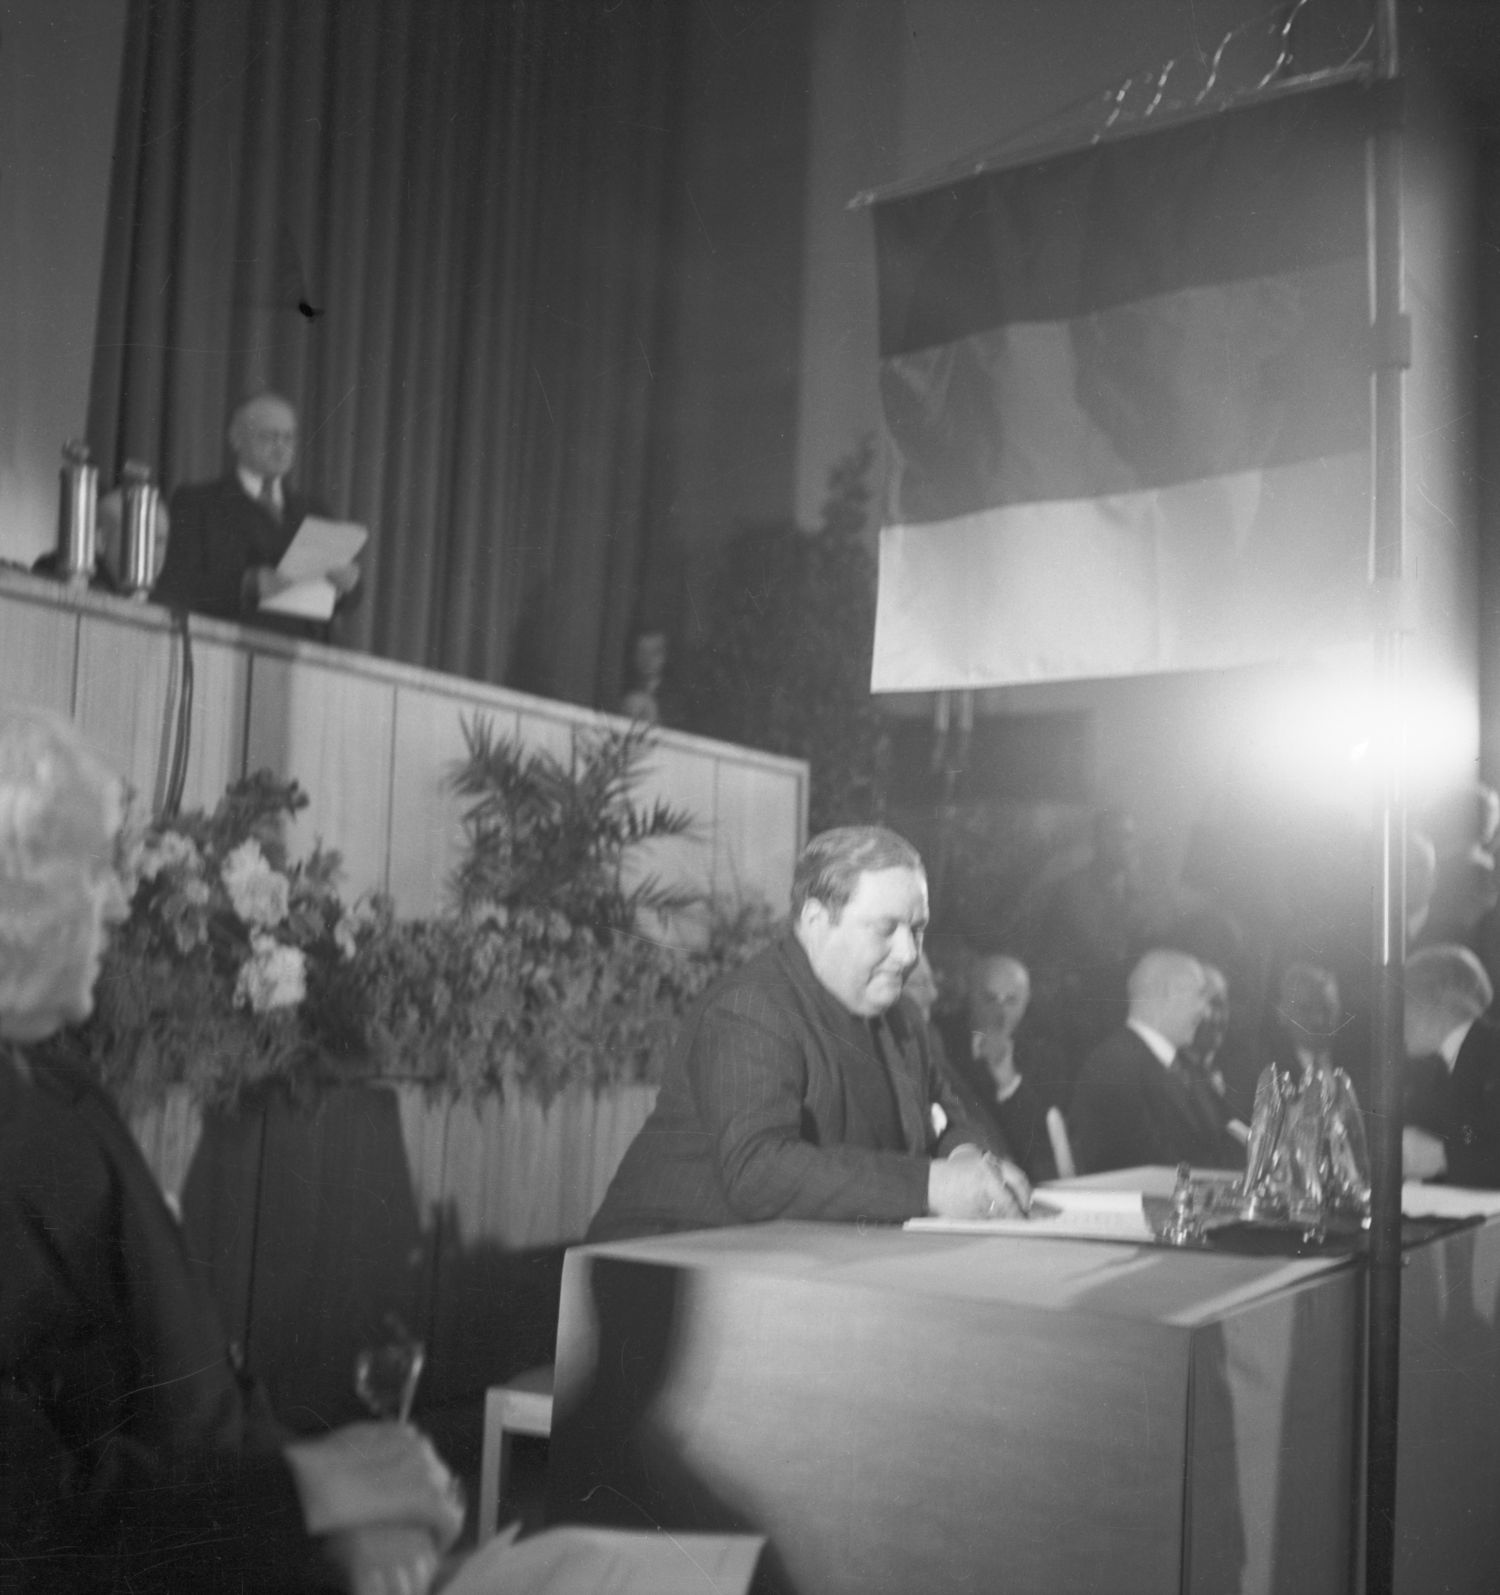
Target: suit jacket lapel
1174, 1099
897, 1043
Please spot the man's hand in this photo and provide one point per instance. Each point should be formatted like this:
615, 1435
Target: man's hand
269, 581
974, 1184
344, 579
1423, 1156
384, 1560
375, 1475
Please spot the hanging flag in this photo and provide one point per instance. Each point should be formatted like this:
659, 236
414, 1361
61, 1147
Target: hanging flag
1127, 404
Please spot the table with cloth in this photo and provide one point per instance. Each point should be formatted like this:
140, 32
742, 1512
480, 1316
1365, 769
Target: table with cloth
900, 1411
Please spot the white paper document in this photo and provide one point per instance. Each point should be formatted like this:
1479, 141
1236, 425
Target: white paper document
311, 600
319, 546
568, 1559
1060, 1215
1447, 1201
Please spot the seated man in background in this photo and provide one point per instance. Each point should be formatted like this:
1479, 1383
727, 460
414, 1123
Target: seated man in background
134, 1453
229, 536
1453, 1079
1201, 1056
803, 1085
1135, 1102
921, 991
1016, 1104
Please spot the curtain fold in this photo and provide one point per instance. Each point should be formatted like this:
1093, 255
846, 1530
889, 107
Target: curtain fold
439, 228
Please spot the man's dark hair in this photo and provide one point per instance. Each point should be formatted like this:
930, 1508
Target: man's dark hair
831, 864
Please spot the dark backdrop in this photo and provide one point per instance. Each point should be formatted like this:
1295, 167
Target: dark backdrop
438, 227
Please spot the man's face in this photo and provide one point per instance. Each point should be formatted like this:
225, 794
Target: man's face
1422, 1028
864, 954
1190, 1000
264, 437
651, 654
1214, 1023
998, 1003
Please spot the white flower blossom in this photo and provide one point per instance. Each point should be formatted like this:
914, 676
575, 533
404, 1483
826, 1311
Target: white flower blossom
169, 850
273, 976
260, 895
344, 938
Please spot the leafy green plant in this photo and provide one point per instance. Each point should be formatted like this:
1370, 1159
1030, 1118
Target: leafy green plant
526, 1001
545, 835
238, 968
785, 660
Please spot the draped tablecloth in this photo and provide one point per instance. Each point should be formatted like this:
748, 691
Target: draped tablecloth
901, 1411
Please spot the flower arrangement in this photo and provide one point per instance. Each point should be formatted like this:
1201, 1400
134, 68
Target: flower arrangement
544, 978
238, 967
234, 966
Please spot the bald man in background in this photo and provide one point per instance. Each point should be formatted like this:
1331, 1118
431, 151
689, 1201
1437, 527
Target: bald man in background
1135, 1102
1452, 1086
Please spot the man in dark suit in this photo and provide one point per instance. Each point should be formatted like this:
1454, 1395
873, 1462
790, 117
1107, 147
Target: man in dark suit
803, 1085
1135, 1103
228, 536
1006, 1073
1452, 1105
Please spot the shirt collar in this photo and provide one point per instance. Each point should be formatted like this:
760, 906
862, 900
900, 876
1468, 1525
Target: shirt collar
1161, 1049
251, 481
1453, 1041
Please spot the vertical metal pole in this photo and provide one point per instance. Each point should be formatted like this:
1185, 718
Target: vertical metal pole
1388, 905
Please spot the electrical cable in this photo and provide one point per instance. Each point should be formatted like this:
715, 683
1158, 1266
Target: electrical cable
182, 731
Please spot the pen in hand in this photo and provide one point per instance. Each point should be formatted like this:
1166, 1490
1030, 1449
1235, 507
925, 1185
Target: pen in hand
1013, 1180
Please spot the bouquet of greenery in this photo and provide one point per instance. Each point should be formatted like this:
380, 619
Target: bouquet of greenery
522, 999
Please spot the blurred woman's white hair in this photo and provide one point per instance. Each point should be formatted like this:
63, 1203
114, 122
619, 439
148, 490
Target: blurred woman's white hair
58, 811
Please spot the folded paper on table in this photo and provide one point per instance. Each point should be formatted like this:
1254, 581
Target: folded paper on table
1059, 1213
1447, 1201
568, 1558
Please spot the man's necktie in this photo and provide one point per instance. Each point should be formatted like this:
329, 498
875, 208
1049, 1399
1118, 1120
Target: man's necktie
1199, 1094
268, 497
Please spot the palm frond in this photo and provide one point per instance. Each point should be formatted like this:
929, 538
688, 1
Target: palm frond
542, 833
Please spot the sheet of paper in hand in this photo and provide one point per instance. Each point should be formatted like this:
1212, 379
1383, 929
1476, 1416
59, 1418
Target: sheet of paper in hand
319, 547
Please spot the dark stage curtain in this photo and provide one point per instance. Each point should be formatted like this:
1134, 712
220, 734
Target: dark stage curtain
438, 227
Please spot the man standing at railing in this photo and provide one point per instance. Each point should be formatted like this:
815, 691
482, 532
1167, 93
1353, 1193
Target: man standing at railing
229, 536
803, 1086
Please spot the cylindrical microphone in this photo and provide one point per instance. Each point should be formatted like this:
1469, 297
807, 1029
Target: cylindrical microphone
77, 526
138, 524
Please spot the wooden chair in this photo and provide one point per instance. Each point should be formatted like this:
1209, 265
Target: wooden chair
521, 1406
